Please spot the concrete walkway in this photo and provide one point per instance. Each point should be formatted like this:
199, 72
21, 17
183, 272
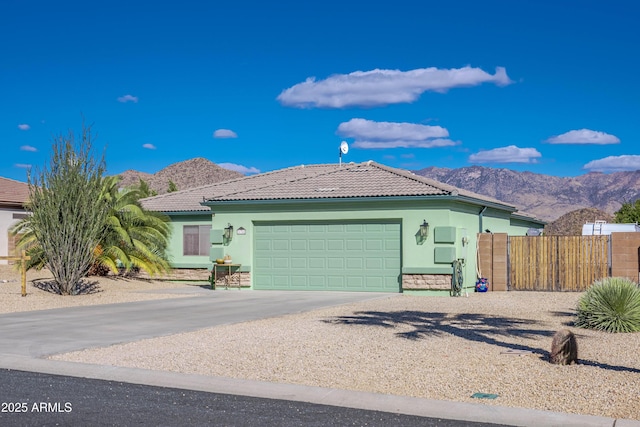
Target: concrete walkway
28, 337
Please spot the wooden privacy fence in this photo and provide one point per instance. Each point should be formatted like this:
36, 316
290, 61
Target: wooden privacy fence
557, 263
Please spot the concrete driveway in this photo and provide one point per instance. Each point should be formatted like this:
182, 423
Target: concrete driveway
36, 334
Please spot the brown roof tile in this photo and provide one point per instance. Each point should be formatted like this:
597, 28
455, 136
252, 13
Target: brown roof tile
13, 193
329, 181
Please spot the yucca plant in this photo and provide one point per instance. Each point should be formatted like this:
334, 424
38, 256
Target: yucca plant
611, 305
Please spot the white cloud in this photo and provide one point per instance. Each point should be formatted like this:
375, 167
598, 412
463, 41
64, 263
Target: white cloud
22, 166
383, 87
584, 136
431, 143
28, 148
510, 154
614, 164
224, 133
128, 98
24, 126
149, 146
369, 134
239, 168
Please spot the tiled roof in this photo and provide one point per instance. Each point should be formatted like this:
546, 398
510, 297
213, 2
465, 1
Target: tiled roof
329, 181
13, 193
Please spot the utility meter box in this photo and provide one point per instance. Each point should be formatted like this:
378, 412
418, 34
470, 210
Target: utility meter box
444, 254
444, 235
450, 244
215, 236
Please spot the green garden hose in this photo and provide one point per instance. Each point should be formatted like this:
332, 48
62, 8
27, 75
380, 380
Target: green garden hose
457, 278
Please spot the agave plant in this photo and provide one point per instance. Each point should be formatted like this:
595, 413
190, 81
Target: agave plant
611, 305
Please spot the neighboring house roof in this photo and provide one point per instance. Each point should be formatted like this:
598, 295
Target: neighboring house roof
328, 181
13, 193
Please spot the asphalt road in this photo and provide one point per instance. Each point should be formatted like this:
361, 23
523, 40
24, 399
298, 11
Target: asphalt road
34, 399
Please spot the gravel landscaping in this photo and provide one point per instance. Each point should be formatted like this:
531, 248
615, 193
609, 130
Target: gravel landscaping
106, 290
432, 347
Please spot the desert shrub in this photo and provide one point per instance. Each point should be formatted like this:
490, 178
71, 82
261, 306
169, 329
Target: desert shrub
612, 305
67, 213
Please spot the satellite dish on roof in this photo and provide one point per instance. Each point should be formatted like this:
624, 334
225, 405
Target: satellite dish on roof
344, 149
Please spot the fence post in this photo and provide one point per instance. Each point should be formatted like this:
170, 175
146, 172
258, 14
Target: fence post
23, 272
23, 269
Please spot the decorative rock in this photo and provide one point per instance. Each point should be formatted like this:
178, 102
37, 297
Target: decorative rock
564, 348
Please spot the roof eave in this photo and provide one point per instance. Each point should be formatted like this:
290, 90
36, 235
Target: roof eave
192, 212
447, 197
12, 204
528, 218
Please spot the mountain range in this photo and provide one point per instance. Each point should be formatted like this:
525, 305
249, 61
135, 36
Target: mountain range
545, 196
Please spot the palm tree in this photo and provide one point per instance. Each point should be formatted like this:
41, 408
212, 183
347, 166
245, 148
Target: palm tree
133, 238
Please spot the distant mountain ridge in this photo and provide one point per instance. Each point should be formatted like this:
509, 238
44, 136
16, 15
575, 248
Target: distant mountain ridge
187, 174
548, 197
545, 196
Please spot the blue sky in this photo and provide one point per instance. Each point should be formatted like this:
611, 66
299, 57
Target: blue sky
549, 87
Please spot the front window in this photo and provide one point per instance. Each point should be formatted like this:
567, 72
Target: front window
195, 240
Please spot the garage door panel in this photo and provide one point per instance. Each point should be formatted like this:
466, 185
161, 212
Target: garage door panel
336, 282
262, 262
329, 256
318, 282
299, 263
280, 262
298, 245
263, 245
263, 230
335, 263
391, 245
335, 245
354, 245
374, 282
374, 245
280, 245
355, 282
354, 263
392, 264
375, 264
317, 263
317, 245
299, 281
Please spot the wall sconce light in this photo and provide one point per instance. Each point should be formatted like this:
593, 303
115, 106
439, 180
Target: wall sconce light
423, 233
424, 229
228, 233
241, 231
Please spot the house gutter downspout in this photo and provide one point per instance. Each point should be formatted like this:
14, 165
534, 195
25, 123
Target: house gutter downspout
480, 216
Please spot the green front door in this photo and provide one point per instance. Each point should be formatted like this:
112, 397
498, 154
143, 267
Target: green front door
327, 256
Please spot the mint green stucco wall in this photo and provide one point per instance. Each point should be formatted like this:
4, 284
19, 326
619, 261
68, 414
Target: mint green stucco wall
178, 260
415, 258
520, 226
